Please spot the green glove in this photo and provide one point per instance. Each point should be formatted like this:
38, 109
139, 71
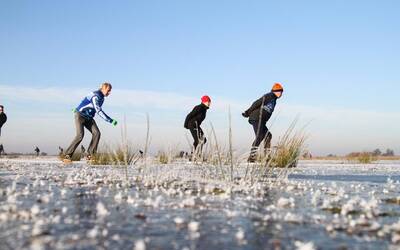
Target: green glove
114, 122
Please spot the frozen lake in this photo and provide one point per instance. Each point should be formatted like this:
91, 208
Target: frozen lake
321, 205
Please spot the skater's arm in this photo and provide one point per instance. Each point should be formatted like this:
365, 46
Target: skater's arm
99, 111
255, 105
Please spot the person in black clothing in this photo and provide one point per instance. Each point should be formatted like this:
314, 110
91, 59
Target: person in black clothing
37, 151
3, 117
259, 114
1, 150
193, 121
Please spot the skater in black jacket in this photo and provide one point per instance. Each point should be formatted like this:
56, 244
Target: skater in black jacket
37, 151
3, 117
193, 121
259, 114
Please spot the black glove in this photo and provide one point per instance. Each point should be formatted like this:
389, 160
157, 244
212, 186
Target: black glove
245, 114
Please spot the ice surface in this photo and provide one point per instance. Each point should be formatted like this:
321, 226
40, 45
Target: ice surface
321, 205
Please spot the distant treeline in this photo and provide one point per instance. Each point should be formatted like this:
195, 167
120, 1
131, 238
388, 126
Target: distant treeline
376, 153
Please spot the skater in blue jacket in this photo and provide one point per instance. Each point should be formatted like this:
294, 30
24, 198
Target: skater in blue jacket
84, 118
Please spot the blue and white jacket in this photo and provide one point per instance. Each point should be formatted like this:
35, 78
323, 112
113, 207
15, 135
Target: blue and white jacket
91, 105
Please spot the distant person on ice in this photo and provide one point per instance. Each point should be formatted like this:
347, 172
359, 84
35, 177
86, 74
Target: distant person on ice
193, 121
37, 151
259, 114
3, 117
84, 118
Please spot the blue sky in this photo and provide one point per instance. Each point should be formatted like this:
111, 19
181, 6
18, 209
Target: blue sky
338, 61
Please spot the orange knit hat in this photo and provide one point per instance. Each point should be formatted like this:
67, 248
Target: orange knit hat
277, 87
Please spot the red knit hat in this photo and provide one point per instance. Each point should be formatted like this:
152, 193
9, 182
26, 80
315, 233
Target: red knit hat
205, 99
277, 87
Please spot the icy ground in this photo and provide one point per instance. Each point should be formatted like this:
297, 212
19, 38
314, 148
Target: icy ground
322, 205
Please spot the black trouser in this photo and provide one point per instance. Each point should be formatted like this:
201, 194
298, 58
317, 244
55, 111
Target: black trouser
81, 123
198, 135
261, 132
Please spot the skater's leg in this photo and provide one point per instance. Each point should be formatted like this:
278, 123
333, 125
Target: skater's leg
196, 133
201, 136
79, 121
195, 136
202, 141
260, 131
267, 141
94, 143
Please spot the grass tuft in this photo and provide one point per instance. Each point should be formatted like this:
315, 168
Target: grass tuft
366, 158
124, 154
163, 157
288, 151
